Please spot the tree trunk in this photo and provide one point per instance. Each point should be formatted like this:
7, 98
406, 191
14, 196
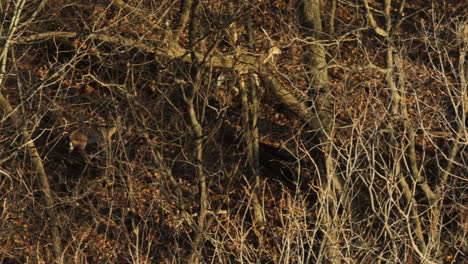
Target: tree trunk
322, 107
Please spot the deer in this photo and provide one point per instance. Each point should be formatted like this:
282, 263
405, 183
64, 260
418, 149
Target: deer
90, 135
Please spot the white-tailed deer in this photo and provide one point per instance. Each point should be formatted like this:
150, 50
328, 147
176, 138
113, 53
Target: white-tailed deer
91, 135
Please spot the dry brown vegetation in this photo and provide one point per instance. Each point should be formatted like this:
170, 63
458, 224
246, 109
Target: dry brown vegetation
247, 131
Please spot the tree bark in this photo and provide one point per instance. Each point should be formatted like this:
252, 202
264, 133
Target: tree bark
322, 107
31, 147
189, 94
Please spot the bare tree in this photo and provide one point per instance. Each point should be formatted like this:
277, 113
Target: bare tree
245, 132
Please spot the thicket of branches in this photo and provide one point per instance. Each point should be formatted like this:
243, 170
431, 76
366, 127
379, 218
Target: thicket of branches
247, 131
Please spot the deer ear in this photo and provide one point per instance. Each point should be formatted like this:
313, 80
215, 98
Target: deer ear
112, 131
71, 147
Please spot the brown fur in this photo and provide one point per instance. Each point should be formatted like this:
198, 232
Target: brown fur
90, 135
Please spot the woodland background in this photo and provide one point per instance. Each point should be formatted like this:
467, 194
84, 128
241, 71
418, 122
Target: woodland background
248, 131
